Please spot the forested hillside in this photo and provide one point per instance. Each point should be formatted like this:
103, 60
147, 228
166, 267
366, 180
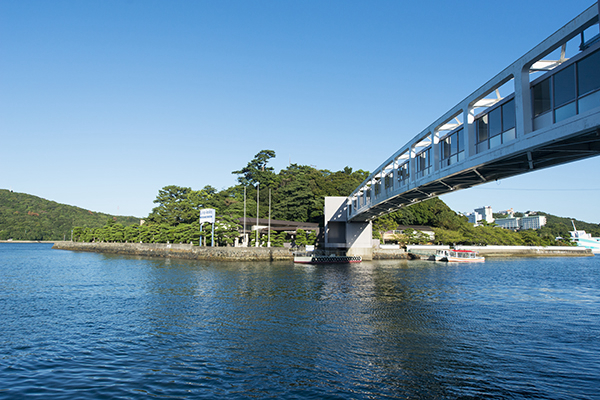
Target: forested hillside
563, 225
27, 217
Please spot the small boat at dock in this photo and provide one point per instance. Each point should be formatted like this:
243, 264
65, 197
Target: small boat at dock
455, 255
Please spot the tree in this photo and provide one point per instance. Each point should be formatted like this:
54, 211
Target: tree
382, 225
227, 229
174, 206
257, 172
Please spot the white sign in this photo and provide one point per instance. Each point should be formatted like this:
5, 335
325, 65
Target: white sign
207, 215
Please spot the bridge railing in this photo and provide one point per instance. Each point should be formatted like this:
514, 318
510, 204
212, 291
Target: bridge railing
568, 87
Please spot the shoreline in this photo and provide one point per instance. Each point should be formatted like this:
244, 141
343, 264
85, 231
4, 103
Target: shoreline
190, 252
184, 251
28, 241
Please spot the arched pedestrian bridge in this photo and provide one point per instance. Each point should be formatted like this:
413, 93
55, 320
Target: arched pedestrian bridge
550, 115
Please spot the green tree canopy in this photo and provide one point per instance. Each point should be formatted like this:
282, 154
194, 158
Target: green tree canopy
257, 172
175, 206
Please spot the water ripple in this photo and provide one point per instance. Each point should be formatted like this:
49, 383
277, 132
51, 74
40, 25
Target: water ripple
81, 325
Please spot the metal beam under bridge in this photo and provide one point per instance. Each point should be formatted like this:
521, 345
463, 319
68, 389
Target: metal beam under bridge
544, 121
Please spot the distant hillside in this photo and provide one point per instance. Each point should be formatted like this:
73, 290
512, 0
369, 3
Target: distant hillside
564, 224
27, 217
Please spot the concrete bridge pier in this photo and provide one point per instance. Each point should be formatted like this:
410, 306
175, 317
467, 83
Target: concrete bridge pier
354, 238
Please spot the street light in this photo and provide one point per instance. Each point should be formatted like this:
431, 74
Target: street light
257, 201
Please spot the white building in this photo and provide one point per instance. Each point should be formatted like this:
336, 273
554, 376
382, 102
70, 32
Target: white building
517, 223
486, 213
533, 222
508, 223
473, 217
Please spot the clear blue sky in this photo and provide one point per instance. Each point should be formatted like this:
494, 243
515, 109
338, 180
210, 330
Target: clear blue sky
102, 103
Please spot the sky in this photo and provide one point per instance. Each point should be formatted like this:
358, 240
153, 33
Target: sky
103, 103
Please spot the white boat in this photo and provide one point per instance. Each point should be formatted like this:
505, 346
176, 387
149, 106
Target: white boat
584, 239
310, 258
454, 255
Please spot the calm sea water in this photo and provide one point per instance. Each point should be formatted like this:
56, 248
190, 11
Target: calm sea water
85, 325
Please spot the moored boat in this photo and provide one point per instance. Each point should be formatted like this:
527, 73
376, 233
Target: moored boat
455, 255
584, 239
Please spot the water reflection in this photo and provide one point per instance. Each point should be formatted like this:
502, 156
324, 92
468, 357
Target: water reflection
112, 326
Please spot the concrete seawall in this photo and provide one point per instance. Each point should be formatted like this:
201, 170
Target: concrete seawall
185, 251
509, 251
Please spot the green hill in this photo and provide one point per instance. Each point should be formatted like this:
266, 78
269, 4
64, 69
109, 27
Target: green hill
562, 225
27, 217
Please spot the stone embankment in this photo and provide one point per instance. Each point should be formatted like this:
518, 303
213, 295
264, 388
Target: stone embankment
186, 251
507, 251
190, 252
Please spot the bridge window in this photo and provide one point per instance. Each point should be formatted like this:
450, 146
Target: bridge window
423, 160
541, 98
588, 80
389, 181
565, 94
496, 127
452, 148
377, 188
572, 90
403, 174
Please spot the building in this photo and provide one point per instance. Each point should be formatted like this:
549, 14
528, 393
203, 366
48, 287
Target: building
510, 212
511, 223
427, 231
533, 222
521, 223
474, 218
486, 213
263, 225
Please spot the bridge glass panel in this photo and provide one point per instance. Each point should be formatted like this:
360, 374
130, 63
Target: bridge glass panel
452, 148
423, 162
481, 127
446, 144
389, 181
564, 86
590, 101
496, 127
588, 73
565, 111
495, 122
508, 115
541, 98
403, 174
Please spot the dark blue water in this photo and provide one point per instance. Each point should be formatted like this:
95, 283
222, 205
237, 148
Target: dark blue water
86, 325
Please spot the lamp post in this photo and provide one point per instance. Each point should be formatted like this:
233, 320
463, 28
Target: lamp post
257, 201
244, 231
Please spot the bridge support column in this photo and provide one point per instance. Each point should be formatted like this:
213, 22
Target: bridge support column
354, 238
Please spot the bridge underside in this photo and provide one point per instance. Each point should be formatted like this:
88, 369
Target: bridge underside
583, 145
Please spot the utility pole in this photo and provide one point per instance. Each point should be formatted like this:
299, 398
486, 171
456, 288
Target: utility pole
244, 231
257, 200
269, 229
